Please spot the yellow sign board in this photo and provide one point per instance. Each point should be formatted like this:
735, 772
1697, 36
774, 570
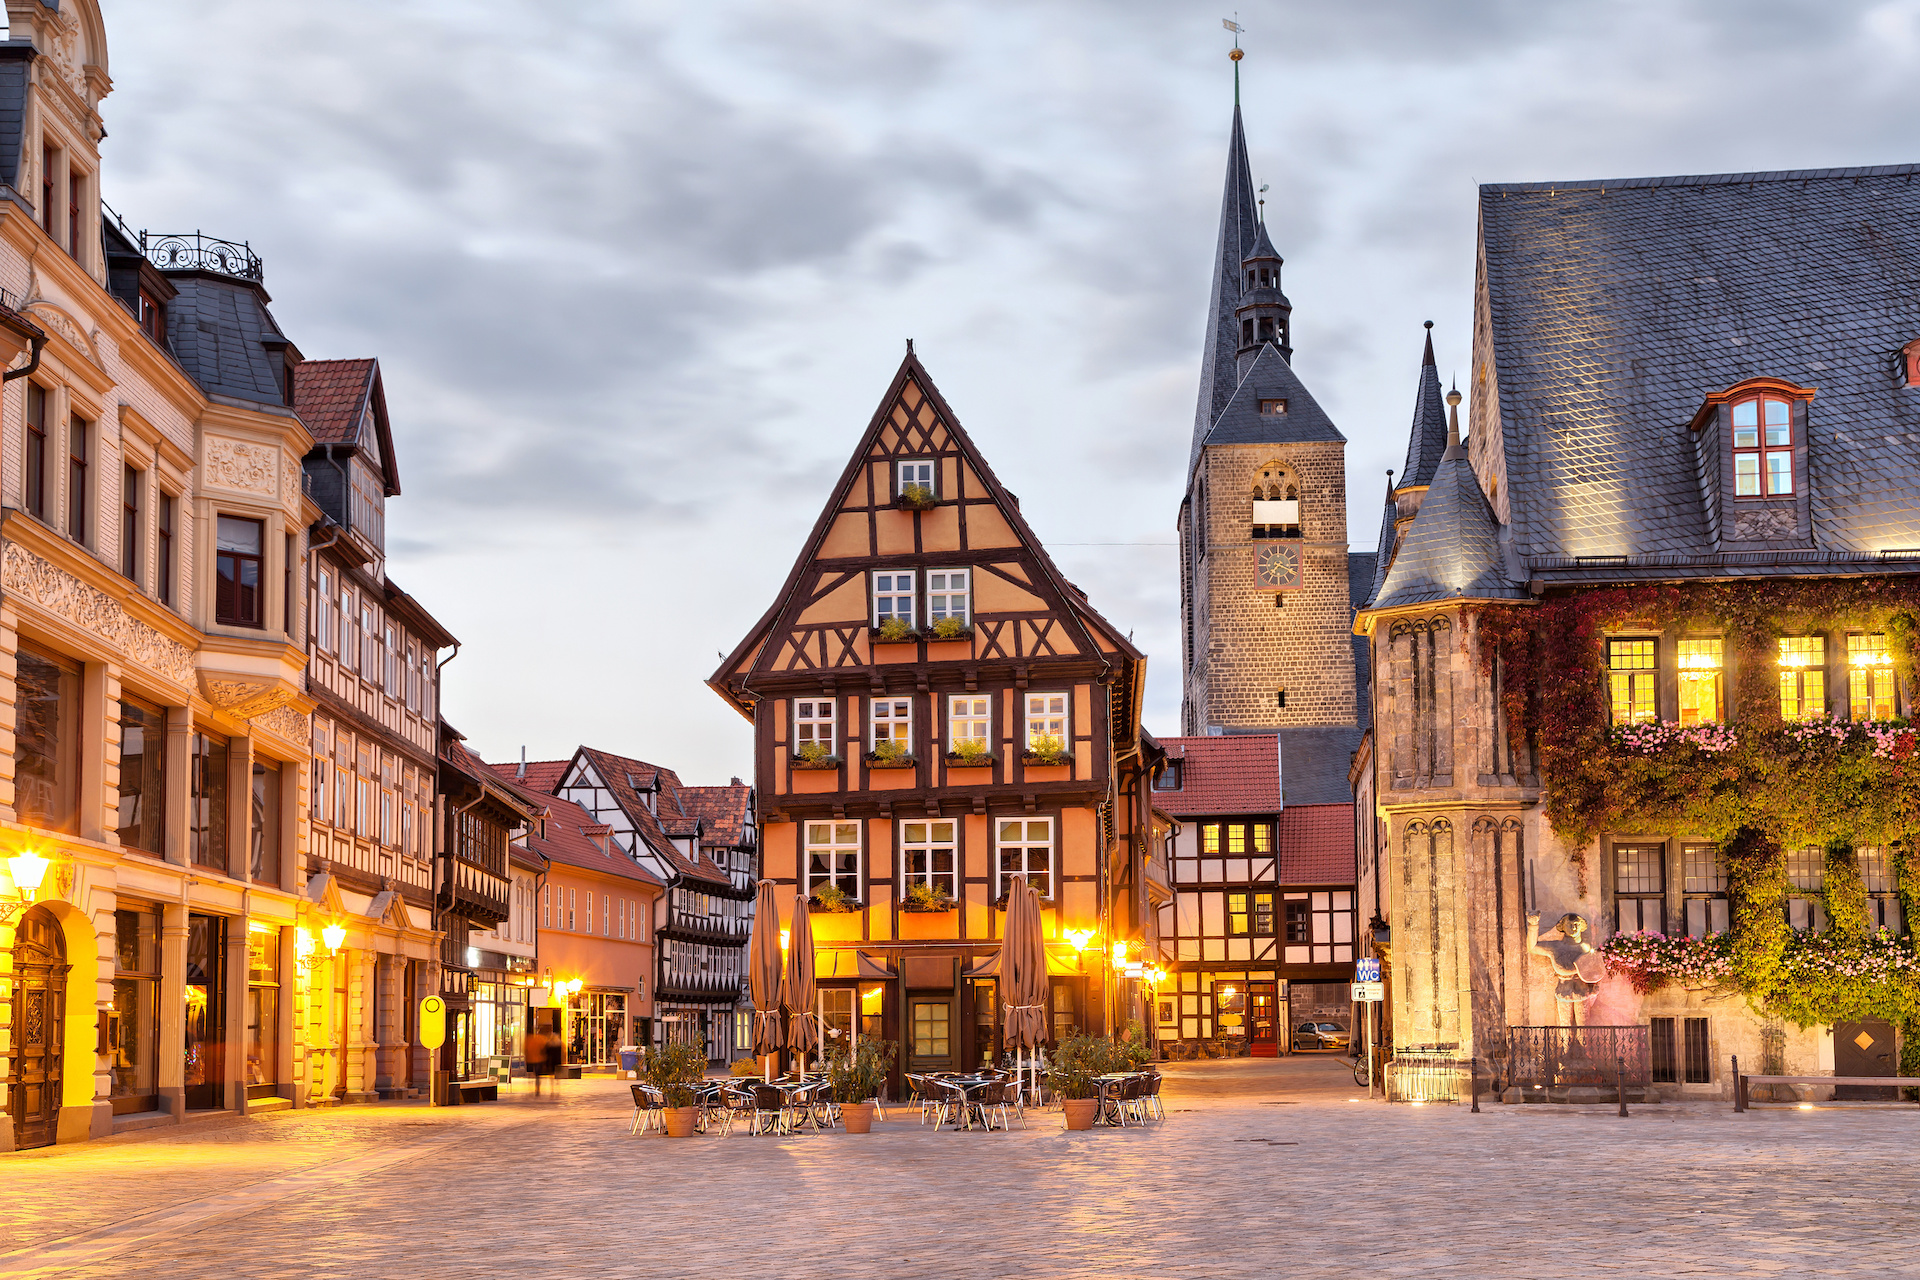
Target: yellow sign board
433, 1022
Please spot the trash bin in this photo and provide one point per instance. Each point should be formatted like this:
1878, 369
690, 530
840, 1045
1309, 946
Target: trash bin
630, 1063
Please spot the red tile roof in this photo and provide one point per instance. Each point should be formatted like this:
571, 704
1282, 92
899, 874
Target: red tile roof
331, 397
542, 775
1316, 844
723, 811
569, 840
624, 778
1237, 773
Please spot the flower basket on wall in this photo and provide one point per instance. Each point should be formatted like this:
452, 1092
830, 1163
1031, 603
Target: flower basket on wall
832, 900
963, 760
1047, 758
927, 900
950, 629
904, 760
815, 762
916, 497
893, 631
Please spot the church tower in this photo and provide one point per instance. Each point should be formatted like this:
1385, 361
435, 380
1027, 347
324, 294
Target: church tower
1266, 609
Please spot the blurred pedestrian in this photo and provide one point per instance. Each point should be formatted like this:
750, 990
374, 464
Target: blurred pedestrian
556, 1054
537, 1057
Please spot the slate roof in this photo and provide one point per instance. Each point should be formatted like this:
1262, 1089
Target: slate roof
331, 398
1269, 378
1314, 763
1383, 552
1613, 307
1428, 439
1453, 548
1360, 576
216, 328
541, 775
1239, 225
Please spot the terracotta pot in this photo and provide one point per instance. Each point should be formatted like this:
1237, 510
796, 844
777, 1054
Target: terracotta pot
1080, 1112
680, 1121
857, 1116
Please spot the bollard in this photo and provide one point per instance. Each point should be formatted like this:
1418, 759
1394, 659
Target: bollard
1473, 1083
1739, 1094
1620, 1084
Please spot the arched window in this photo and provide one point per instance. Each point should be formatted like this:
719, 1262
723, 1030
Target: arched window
1762, 447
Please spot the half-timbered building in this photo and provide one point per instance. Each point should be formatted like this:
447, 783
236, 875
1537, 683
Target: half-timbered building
938, 712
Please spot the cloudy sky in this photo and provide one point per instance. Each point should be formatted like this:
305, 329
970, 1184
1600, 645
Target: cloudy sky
637, 274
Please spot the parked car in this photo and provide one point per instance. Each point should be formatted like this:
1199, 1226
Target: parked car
1321, 1035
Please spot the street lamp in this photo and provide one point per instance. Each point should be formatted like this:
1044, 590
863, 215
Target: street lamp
29, 871
1079, 939
333, 935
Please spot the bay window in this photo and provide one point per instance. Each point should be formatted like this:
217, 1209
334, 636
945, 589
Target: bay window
237, 569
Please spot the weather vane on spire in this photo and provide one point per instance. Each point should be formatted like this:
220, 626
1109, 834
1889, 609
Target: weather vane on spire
1236, 53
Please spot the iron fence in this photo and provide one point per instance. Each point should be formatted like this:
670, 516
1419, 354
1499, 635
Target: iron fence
1428, 1073
175, 251
1551, 1056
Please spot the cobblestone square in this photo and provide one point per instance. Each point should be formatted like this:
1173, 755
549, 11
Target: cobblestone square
1261, 1168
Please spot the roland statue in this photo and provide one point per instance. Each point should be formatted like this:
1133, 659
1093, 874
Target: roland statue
1577, 967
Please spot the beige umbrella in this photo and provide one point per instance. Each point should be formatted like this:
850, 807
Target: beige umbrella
1024, 971
802, 1034
764, 974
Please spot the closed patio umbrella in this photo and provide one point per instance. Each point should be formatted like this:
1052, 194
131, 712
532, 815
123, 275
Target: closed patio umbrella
1024, 971
765, 973
802, 1034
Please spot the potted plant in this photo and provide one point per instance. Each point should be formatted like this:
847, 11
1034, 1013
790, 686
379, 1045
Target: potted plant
893, 630
831, 899
950, 629
1134, 1048
856, 1073
925, 896
674, 1070
1073, 1074
814, 755
889, 754
970, 753
1047, 748
916, 497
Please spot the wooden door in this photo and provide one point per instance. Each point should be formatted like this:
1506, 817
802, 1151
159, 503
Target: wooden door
1263, 1020
40, 986
1865, 1048
933, 1033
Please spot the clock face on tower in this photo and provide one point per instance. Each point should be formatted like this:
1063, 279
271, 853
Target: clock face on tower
1279, 566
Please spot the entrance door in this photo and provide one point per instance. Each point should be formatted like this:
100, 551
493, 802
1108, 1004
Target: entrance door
40, 979
1263, 1018
1864, 1049
932, 1037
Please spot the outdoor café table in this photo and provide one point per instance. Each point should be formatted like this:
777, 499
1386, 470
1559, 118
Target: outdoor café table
968, 1086
789, 1086
704, 1097
1109, 1087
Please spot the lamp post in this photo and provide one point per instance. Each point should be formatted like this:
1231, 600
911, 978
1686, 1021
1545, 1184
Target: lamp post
29, 872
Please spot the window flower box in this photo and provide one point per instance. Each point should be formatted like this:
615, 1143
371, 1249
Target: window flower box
902, 761
832, 900
1000, 903
893, 631
1046, 758
916, 497
951, 629
982, 760
814, 762
921, 902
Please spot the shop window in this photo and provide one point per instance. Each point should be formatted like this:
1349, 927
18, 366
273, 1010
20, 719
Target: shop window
263, 1012
133, 1027
1633, 676
46, 739
1700, 660
1803, 677
264, 859
143, 777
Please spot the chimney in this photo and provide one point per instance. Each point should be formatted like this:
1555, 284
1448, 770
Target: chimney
521, 776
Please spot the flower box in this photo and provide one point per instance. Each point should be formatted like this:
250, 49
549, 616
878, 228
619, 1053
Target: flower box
950, 629
916, 497
1047, 758
1000, 903
929, 908
889, 762
956, 761
817, 762
847, 906
888, 635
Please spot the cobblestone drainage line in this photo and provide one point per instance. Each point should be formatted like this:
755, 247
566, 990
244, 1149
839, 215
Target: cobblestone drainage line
90, 1247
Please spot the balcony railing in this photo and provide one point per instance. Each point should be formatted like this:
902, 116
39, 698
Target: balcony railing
193, 251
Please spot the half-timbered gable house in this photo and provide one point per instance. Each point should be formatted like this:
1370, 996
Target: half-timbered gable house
937, 712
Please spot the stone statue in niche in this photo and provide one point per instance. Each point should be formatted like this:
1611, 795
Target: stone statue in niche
1577, 967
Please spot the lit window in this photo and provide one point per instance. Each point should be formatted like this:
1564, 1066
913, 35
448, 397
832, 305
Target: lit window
1700, 662
1026, 849
969, 724
948, 597
1250, 913
1762, 447
833, 857
1633, 673
893, 598
813, 727
1272, 408
1870, 677
1803, 677
929, 856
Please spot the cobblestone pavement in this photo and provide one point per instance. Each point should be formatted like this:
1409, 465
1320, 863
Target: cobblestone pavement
1261, 1168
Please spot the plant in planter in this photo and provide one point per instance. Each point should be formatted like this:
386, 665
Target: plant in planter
892, 630
888, 754
1047, 748
1073, 1072
674, 1070
916, 497
857, 1073
833, 900
950, 629
924, 896
814, 755
970, 753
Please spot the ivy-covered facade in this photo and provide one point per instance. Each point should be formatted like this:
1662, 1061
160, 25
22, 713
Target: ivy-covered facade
1644, 635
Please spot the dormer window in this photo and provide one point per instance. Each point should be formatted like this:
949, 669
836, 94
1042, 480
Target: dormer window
1910, 364
1762, 447
1272, 408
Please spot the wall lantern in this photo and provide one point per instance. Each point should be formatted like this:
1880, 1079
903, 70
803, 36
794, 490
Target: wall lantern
574, 985
1119, 955
1079, 939
784, 935
333, 935
29, 872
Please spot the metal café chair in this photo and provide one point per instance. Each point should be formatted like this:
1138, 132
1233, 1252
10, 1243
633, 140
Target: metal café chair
926, 1096
770, 1110
1132, 1090
1150, 1098
1002, 1096
647, 1112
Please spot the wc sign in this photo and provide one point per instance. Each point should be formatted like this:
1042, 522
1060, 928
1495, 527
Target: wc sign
1366, 971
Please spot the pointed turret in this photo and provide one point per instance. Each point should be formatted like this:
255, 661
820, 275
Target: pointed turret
1383, 552
1239, 228
1429, 435
1264, 313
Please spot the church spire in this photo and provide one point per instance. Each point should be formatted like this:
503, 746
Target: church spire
1428, 440
1239, 228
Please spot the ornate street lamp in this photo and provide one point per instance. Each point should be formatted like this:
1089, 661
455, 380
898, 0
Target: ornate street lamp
29, 872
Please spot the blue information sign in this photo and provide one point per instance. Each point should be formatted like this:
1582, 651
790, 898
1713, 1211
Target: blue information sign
1366, 971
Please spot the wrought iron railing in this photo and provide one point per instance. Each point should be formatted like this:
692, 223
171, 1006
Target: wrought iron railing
1552, 1056
193, 251
1428, 1073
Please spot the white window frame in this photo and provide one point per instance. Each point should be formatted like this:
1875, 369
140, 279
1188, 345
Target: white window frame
843, 844
1023, 841
922, 841
808, 724
970, 709
1046, 717
950, 595
896, 715
901, 590
920, 471
324, 623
